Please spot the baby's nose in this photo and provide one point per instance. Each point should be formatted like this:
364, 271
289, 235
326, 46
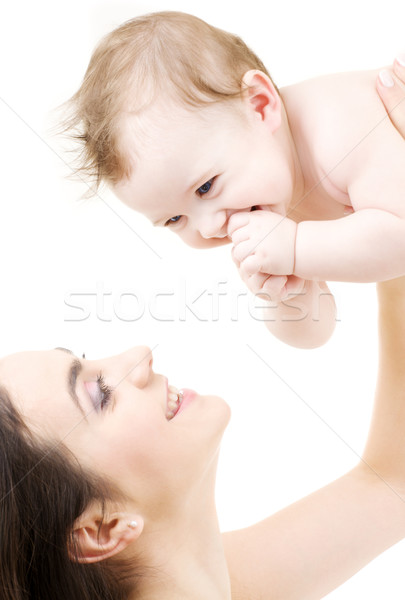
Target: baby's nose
212, 225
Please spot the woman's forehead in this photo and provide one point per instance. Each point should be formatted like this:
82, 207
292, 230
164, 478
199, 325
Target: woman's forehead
38, 384
28, 362
32, 374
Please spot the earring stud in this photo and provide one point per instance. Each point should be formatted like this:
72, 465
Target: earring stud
132, 524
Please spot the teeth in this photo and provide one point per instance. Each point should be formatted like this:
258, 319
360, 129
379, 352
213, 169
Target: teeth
175, 398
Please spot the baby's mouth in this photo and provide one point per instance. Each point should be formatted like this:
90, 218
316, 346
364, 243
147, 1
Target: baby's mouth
259, 207
174, 400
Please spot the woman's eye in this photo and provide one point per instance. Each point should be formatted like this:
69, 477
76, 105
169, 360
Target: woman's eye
105, 392
99, 392
173, 220
205, 188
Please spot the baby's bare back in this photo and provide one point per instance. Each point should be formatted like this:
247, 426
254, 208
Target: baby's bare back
350, 153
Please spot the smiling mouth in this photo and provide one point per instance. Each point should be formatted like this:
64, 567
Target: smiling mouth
174, 400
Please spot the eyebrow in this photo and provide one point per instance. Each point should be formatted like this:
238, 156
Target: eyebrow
73, 373
64, 350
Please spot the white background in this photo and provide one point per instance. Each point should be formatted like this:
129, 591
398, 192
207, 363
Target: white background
299, 417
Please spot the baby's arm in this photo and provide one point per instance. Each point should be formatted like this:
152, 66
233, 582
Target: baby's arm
367, 246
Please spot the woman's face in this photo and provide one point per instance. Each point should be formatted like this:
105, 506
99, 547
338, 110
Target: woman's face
127, 432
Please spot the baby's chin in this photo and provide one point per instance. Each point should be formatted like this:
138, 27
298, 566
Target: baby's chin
202, 243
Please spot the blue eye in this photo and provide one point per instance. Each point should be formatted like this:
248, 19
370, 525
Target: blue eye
205, 188
173, 220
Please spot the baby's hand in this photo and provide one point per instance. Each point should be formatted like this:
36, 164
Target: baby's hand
275, 288
264, 242
268, 287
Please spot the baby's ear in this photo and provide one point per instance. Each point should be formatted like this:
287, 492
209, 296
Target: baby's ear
96, 537
261, 98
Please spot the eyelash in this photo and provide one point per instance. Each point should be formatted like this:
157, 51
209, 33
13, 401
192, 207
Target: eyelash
210, 182
106, 391
177, 218
172, 220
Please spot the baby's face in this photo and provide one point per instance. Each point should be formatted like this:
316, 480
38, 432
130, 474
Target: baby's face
193, 169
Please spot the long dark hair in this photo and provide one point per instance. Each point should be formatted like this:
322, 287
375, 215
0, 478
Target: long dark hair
43, 490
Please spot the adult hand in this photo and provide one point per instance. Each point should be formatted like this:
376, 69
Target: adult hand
391, 88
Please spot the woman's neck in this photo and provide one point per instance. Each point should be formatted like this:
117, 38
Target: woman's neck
185, 559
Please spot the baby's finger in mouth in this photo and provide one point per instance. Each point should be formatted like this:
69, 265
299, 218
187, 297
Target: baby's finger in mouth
237, 220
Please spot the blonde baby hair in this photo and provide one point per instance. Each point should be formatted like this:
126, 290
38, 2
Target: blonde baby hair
171, 52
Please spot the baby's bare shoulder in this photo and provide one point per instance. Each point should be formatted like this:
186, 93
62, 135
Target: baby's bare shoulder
339, 118
333, 100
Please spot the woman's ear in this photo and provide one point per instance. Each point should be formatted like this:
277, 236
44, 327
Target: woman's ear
96, 538
261, 98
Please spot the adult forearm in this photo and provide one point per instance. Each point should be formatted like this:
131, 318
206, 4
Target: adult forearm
311, 547
385, 448
308, 549
350, 522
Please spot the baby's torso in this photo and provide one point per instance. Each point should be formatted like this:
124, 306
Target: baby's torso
330, 117
320, 201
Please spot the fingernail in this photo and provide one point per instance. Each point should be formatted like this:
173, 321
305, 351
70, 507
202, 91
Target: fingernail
400, 58
386, 78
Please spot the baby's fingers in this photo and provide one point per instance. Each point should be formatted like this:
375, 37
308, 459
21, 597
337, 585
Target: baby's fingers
255, 282
237, 220
251, 265
243, 250
237, 262
240, 235
274, 288
294, 286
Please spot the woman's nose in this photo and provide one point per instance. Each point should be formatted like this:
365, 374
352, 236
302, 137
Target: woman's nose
137, 367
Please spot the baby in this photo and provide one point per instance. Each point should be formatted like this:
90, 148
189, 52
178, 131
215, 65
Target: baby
184, 122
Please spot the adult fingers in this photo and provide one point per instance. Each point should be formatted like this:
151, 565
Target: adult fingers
391, 88
399, 67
